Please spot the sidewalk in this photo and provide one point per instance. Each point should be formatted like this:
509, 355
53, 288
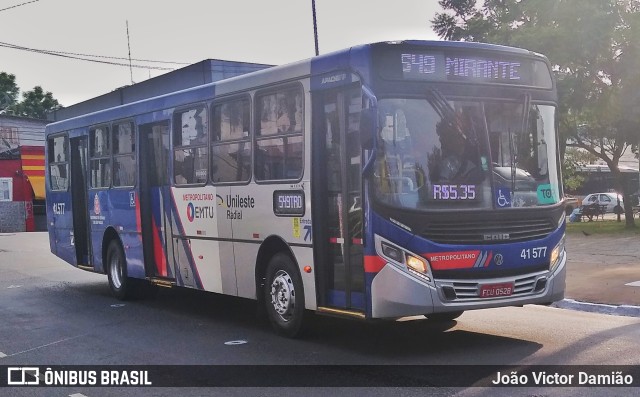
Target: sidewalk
600, 267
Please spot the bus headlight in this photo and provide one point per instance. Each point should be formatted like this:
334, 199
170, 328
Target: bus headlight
556, 255
392, 252
414, 264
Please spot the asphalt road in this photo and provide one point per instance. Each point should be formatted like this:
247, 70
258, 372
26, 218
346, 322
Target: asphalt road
53, 314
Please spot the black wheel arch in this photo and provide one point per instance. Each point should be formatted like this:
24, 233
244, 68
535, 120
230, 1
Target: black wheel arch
271, 246
109, 235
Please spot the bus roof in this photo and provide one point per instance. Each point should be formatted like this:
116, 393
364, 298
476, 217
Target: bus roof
338, 60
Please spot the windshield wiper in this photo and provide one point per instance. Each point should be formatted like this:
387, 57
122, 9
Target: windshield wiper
444, 109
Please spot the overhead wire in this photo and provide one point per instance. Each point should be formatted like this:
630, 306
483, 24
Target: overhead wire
112, 57
80, 57
18, 5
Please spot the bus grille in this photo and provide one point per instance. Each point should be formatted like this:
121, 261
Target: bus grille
457, 291
487, 232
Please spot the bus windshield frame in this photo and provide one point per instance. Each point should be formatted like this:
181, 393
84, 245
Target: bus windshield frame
443, 154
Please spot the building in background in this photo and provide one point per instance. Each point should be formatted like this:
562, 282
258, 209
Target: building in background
22, 174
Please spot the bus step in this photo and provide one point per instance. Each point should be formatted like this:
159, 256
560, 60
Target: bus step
340, 312
161, 282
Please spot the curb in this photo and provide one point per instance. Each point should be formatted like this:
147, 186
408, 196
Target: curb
615, 310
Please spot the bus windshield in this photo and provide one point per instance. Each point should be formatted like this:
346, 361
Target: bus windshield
439, 154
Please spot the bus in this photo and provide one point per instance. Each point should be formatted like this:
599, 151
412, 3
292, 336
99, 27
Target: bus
386, 180
599, 178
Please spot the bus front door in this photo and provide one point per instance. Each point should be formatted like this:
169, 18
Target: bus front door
155, 202
337, 209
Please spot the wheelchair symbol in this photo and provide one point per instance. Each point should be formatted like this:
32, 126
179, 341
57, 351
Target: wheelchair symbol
503, 199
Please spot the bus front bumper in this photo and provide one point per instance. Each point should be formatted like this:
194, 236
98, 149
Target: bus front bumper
396, 293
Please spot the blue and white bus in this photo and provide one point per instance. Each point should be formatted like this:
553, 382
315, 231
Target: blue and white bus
385, 180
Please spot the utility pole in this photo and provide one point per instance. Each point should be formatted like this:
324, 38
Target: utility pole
315, 26
129, 47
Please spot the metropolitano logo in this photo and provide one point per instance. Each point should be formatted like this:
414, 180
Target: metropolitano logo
23, 376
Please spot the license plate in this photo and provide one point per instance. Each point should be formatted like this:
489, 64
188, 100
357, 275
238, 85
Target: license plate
494, 290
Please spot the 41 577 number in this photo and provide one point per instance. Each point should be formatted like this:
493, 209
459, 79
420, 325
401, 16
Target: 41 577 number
533, 253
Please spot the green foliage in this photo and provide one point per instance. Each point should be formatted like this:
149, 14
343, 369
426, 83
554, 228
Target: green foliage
573, 160
36, 104
8, 90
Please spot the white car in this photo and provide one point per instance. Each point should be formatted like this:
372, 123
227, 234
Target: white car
608, 199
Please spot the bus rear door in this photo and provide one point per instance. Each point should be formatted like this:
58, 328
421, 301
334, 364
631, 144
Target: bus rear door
78, 171
155, 202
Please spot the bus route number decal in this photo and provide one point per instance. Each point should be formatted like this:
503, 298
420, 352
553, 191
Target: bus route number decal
288, 203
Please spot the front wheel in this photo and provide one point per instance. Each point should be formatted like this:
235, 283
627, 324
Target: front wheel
119, 283
444, 316
284, 296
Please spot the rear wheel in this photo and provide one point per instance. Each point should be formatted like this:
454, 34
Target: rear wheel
445, 316
284, 296
121, 286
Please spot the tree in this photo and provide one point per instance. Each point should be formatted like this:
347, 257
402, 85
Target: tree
8, 90
36, 104
594, 47
574, 160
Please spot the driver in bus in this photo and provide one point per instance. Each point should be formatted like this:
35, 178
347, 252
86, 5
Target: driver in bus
455, 164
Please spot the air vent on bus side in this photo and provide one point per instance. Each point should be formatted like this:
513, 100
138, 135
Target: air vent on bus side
487, 232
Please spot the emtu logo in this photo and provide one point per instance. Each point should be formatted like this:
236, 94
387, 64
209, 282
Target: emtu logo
200, 212
191, 212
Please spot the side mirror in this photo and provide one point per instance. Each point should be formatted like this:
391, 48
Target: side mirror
368, 127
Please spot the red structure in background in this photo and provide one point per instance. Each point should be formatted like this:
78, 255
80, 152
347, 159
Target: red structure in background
26, 169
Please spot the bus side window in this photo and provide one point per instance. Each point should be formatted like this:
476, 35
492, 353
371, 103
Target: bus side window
100, 163
231, 142
58, 162
190, 140
279, 135
124, 158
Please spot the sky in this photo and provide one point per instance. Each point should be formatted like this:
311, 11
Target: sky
187, 31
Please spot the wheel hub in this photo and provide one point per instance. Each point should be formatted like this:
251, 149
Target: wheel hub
116, 272
283, 295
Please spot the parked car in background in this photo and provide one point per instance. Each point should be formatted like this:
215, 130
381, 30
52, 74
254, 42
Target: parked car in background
608, 199
570, 203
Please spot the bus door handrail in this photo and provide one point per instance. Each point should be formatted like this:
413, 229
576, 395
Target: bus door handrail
373, 104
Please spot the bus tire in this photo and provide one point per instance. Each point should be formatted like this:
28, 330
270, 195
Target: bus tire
449, 316
119, 283
284, 296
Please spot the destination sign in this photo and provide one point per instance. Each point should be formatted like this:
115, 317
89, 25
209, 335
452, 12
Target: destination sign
464, 67
422, 65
